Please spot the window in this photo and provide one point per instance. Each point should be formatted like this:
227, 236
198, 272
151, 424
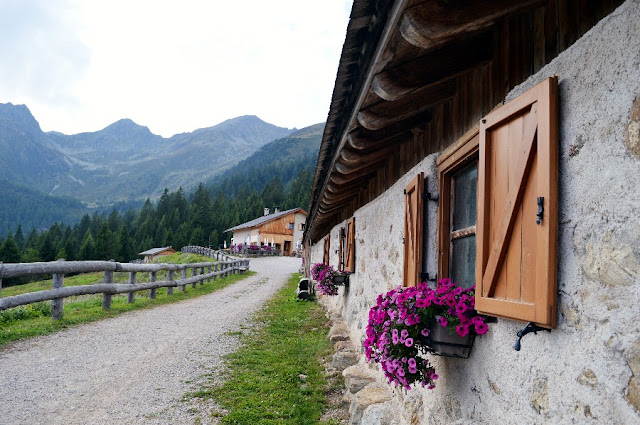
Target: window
290, 226
347, 251
458, 175
497, 222
301, 226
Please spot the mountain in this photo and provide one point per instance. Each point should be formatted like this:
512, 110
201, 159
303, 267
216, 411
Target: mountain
124, 161
282, 158
25, 156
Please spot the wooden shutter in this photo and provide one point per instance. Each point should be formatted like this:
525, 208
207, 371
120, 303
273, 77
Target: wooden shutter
413, 216
327, 246
350, 246
341, 249
516, 258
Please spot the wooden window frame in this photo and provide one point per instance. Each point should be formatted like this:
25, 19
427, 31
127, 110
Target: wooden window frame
452, 161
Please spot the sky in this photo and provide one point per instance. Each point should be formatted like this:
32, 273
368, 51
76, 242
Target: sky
173, 66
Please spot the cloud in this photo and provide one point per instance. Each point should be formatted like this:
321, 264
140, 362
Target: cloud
172, 66
41, 55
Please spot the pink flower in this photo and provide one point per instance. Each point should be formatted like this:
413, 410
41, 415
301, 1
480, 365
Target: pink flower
462, 330
408, 342
442, 320
481, 328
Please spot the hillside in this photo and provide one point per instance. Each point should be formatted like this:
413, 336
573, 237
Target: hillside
283, 159
32, 209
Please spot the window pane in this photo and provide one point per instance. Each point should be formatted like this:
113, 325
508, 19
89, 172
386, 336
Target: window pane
463, 263
464, 194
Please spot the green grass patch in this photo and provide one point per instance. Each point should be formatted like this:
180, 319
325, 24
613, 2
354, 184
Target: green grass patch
35, 319
277, 377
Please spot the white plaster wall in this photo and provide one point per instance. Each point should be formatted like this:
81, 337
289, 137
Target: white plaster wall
585, 370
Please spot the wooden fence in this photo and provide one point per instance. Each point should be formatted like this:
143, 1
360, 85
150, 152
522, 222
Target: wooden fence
207, 252
200, 273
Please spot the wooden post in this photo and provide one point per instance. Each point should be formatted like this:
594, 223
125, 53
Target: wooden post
202, 273
170, 279
183, 275
57, 304
209, 271
106, 298
1, 278
131, 296
152, 291
194, 272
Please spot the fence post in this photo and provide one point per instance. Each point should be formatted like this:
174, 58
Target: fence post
183, 276
215, 269
170, 279
194, 273
202, 273
106, 298
209, 271
1, 278
152, 291
131, 296
57, 303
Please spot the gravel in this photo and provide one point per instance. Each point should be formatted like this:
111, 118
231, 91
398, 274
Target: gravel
135, 368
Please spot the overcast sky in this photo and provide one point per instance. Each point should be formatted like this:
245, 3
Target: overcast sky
174, 66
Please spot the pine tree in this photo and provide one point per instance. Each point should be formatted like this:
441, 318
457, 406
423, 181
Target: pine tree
87, 248
9, 251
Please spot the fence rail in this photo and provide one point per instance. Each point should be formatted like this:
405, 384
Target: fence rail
207, 252
200, 273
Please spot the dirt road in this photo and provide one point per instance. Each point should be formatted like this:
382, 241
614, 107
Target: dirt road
135, 368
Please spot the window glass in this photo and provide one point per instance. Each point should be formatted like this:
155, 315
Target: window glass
463, 267
464, 198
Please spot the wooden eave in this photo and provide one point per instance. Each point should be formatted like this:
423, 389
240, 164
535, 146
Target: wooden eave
415, 75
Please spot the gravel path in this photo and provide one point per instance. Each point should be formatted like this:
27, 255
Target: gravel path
135, 368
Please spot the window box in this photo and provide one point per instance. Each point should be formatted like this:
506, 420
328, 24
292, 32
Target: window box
442, 343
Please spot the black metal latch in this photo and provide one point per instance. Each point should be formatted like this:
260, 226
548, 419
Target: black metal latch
531, 327
540, 212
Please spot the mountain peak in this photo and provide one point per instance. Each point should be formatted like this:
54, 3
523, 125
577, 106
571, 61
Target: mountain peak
18, 113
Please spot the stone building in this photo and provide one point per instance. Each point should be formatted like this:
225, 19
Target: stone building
530, 110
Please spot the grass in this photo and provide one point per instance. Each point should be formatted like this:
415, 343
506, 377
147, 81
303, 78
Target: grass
277, 375
35, 319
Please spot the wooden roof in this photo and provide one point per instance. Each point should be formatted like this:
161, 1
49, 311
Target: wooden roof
257, 222
416, 75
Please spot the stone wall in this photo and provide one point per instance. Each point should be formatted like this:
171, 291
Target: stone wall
587, 370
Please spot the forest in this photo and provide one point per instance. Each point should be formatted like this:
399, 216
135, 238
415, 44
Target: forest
176, 219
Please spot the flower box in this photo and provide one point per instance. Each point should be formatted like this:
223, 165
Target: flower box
340, 279
442, 343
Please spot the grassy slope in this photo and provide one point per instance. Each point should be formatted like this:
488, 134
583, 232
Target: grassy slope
277, 377
35, 319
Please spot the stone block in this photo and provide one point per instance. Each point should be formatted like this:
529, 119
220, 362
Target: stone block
356, 378
344, 346
378, 414
344, 359
370, 395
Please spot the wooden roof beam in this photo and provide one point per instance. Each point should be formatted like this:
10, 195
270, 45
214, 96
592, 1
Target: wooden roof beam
430, 69
362, 138
432, 24
383, 114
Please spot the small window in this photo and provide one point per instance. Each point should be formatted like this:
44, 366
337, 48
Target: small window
301, 226
458, 178
290, 226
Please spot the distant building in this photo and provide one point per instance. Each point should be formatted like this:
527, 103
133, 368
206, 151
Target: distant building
154, 253
280, 230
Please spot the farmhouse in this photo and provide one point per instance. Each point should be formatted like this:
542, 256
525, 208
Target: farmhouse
153, 253
281, 230
496, 143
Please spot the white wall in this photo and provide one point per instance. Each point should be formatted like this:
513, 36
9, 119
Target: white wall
587, 370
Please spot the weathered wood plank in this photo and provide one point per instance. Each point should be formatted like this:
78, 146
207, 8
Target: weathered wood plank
57, 303
431, 24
